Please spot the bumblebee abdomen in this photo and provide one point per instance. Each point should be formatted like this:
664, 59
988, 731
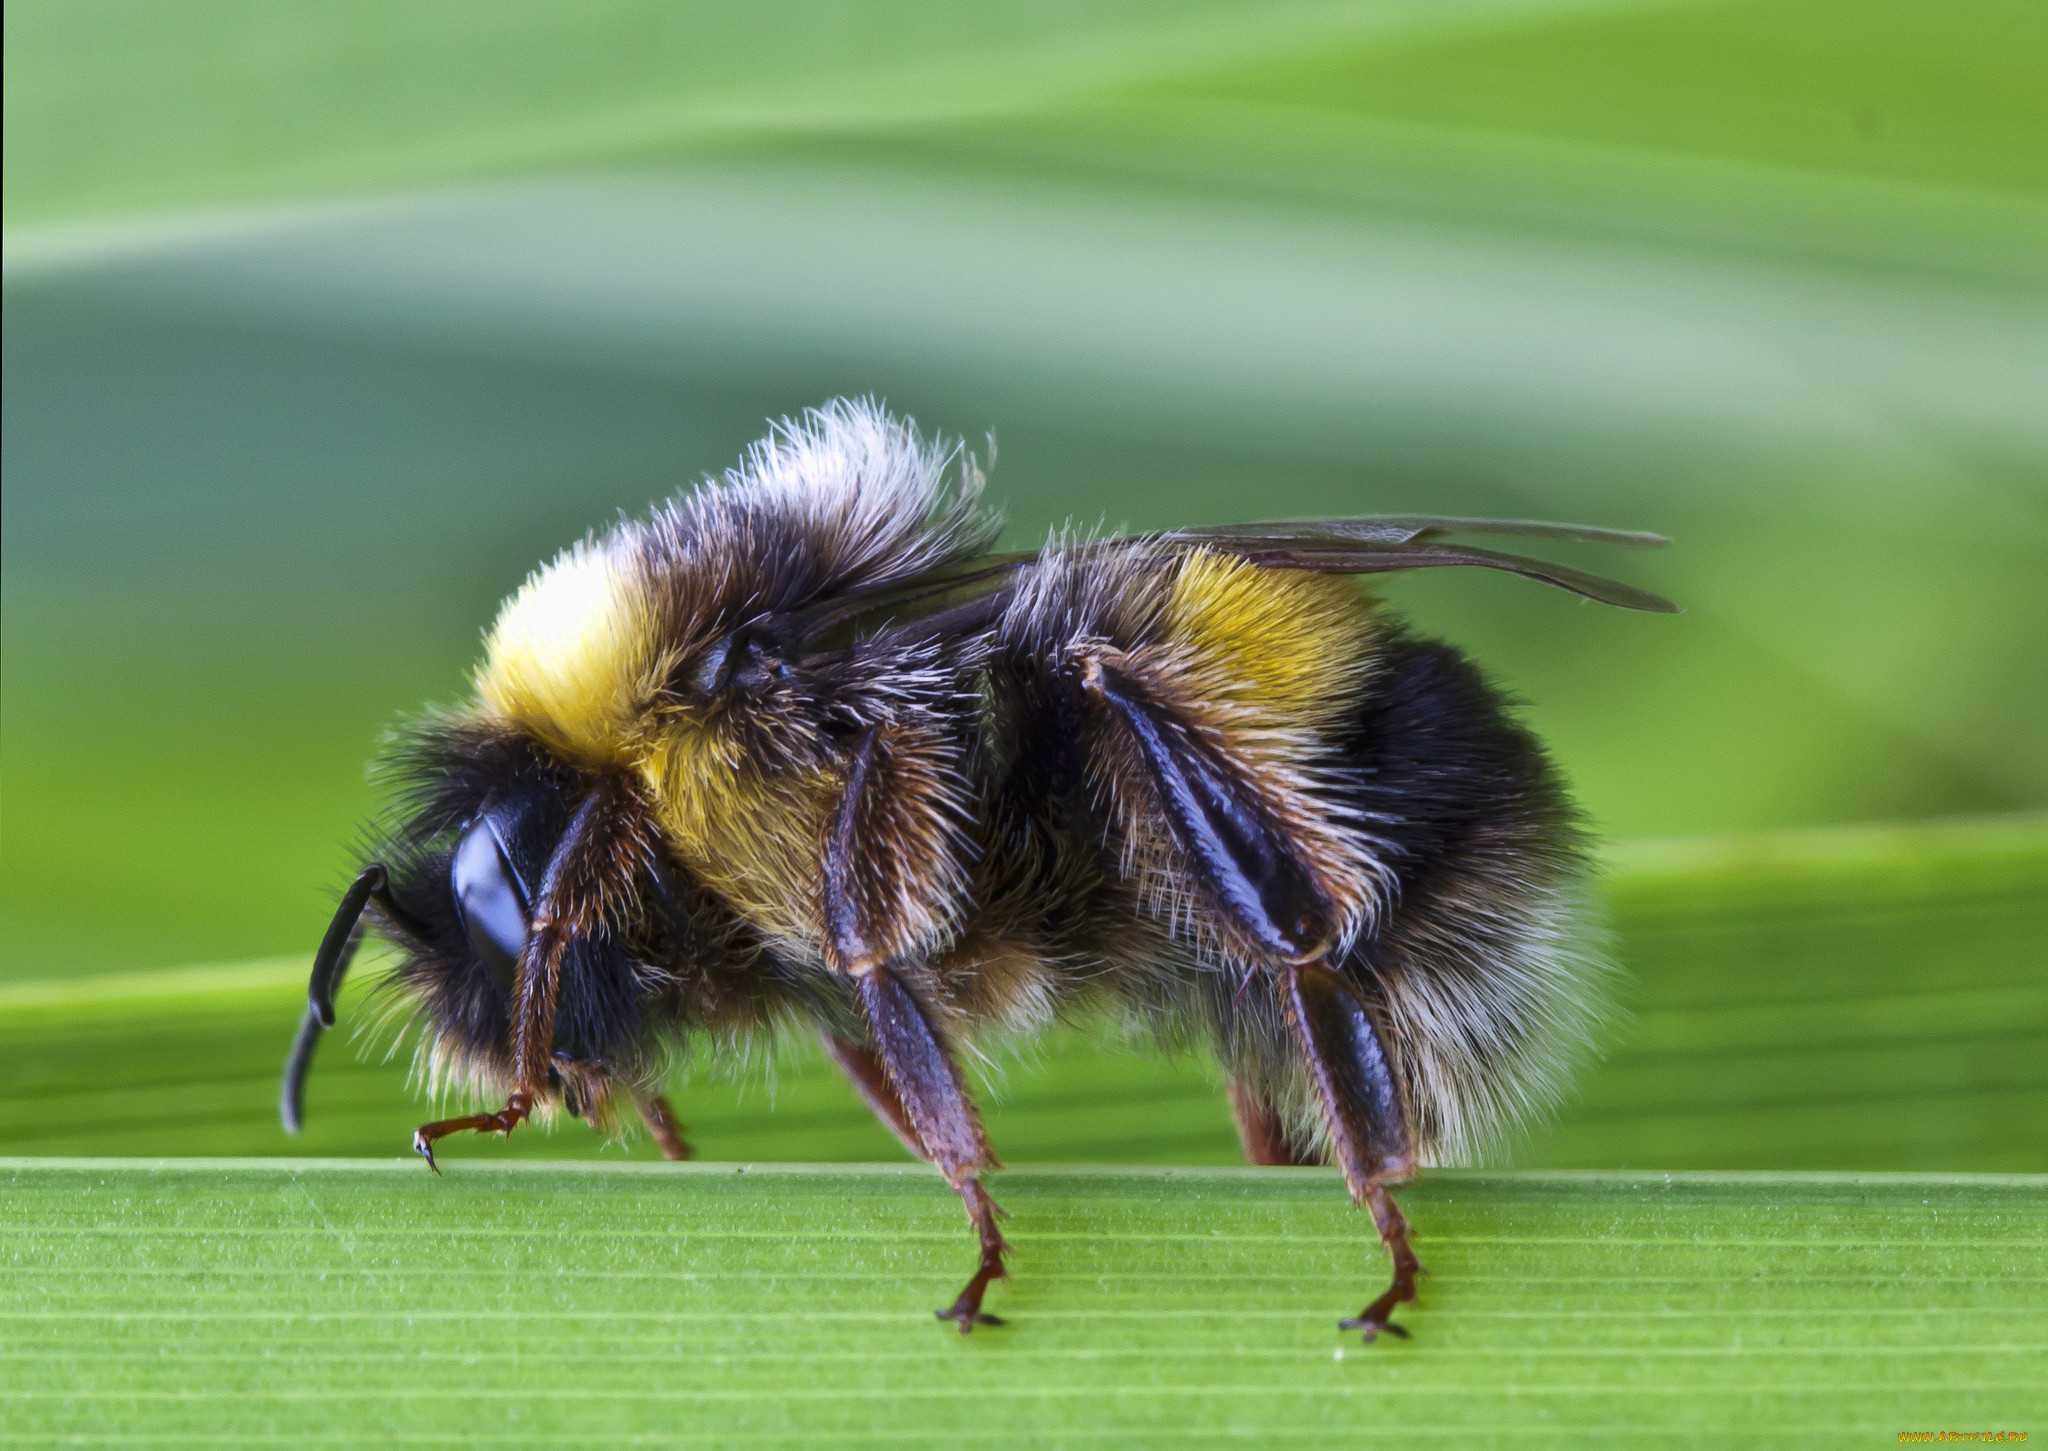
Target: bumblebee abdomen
1283, 646
1485, 969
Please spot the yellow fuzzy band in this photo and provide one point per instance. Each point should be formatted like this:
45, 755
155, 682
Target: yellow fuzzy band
752, 839
570, 656
574, 661
1288, 643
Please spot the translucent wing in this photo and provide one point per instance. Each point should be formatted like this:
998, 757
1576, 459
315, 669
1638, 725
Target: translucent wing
1413, 529
968, 595
1351, 546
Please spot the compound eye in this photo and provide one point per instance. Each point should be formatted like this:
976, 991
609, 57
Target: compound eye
490, 897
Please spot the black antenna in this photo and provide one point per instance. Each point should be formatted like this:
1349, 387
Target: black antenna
330, 966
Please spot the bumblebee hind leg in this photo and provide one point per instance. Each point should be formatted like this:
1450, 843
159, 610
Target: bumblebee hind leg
1260, 878
1368, 1129
1263, 1130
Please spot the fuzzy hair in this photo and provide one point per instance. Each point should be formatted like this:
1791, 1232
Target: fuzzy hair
845, 501
1251, 666
1011, 858
1488, 975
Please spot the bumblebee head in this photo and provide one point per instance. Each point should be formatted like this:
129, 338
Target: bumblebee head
657, 716
497, 838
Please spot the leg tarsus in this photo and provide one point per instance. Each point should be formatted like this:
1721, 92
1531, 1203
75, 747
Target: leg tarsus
920, 1087
503, 1121
966, 1311
1393, 1228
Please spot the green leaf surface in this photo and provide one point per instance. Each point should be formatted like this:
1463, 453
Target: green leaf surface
720, 1305
1838, 1000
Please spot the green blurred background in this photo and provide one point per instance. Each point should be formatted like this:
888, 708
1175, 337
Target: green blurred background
323, 325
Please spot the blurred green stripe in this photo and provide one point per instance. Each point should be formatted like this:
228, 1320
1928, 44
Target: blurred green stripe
119, 107
1851, 1019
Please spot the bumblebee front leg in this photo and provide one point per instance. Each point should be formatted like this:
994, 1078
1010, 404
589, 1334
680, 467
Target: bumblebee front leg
570, 905
539, 989
506, 1119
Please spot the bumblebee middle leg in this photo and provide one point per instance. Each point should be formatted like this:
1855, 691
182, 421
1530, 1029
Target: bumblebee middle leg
660, 1117
871, 1081
884, 870
918, 1087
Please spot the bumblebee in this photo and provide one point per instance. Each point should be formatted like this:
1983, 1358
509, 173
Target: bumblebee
801, 749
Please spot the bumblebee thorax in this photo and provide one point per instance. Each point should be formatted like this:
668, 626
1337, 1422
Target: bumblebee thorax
749, 835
